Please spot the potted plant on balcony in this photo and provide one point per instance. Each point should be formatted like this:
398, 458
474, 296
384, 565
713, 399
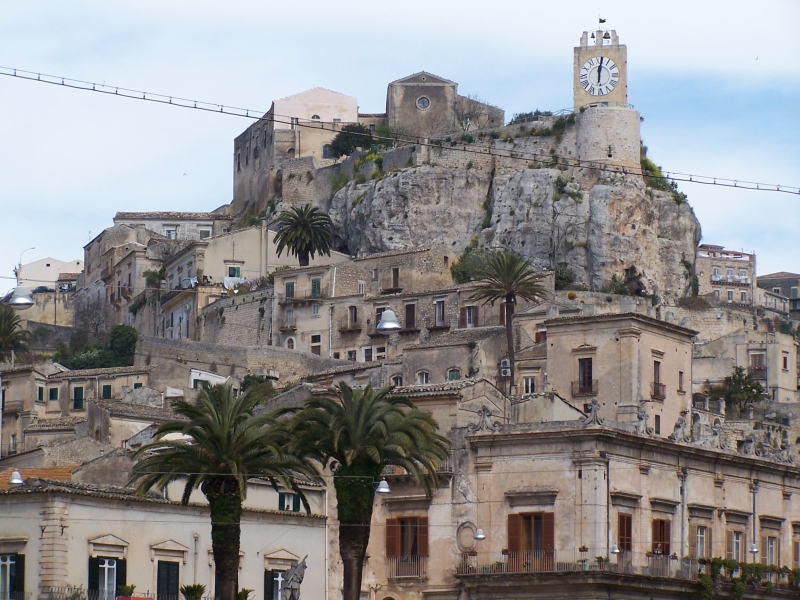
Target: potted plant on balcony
472, 553
583, 549
601, 562
504, 551
193, 592
126, 592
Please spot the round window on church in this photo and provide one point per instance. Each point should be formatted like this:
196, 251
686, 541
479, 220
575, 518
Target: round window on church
423, 103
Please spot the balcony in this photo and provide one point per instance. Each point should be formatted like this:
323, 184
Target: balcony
584, 388
438, 325
407, 567
444, 467
658, 391
758, 372
348, 326
302, 296
737, 280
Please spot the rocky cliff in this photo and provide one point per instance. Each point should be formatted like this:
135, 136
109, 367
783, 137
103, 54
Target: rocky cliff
600, 222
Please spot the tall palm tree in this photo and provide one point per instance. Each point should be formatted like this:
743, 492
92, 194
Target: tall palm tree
221, 445
507, 276
358, 434
304, 231
13, 338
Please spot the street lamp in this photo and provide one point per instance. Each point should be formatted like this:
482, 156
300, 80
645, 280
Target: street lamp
20, 298
753, 550
614, 549
388, 323
479, 535
383, 487
16, 479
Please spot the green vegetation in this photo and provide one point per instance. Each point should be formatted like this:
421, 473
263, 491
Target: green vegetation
560, 189
218, 445
371, 157
467, 138
392, 137
359, 179
469, 265
377, 175
338, 181
739, 390
616, 285
693, 302
304, 231
250, 220
654, 178
118, 353
349, 138
193, 592
154, 278
13, 338
564, 276
365, 430
527, 117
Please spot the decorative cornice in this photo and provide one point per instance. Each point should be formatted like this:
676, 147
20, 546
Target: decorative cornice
532, 496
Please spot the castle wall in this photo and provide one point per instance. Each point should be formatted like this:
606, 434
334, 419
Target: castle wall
610, 136
244, 319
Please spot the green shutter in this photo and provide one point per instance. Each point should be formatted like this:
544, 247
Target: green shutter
315, 288
106, 392
94, 574
18, 576
136, 386
290, 289
122, 573
77, 396
53, 393
296, 503
41, 394
281, 498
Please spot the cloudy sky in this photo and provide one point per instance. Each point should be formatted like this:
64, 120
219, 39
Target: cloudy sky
717, 83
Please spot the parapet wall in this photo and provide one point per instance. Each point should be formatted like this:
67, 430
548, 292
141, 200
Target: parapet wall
241, 320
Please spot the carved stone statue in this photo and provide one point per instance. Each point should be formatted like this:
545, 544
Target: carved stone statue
294, 577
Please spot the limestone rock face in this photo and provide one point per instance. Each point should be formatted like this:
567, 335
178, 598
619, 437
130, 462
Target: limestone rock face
600, 223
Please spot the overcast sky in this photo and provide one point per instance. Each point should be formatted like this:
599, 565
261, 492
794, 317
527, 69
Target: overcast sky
718, 84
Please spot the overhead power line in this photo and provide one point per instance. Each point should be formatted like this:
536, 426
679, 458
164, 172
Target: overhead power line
259, 115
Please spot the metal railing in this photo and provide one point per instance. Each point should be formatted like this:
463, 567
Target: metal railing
348, 325
658, 391
758, 372
306, 294
15, 595
443, 466
584, 388
573, 560
407, 567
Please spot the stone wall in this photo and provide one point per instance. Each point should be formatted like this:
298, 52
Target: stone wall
244, 319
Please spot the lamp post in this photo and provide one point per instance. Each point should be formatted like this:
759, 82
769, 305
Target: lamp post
388, 323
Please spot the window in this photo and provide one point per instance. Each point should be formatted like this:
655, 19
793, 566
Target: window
290, 153
246, 155
379, 313
288, 502
273, 584
12, 575
716, 293
397, 380
77, 398
316, 348
374, 274
529, 385
532, 533
327, 152
290, 289
742, 272
351, 355
717, 273
105, 576
785, 360
468, 317
290, 344
453, 374
730, 296
336, 355
172, 233
106, 392
239, 161
735, 545
40, 394
743, 297
585, 375
411, 316
352, 315
361, 287
367, 353
205, 233
234, 271
656, 371
290, 317
315, 310
316, 288
293, 121
439, 306
729, 272
657, 427
136, 386
625, 532
372, 127
380, 353
776, 290
700, 541
315, 117
423, 377
680, 381
793, 292
395, 277
167, 581
662, 535
337, 121
771, 549
423, 103
407, 537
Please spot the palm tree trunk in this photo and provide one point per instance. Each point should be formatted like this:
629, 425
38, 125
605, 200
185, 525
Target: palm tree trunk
510, 338
355, 493
302, 257
225, 505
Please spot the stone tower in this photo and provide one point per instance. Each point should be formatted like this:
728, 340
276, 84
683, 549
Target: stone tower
608, 128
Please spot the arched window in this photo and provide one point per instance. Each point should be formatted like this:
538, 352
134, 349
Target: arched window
327, 152
423, 377
453, 374
290, 344
315, 117
397, 380
290, 153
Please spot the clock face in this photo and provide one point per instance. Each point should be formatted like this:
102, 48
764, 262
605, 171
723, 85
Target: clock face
599, 76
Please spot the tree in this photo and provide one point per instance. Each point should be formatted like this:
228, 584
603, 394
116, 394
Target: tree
13, 338
473, 113
392, 137
91, 317
122, 343
304, 231
739, 390
358, 435
506, 277
349, 138
217, 447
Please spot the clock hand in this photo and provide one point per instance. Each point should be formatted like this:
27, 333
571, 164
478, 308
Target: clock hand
599, 69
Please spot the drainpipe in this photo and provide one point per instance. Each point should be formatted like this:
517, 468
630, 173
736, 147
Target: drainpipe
330, 332
196, 537
684, 534
754, 488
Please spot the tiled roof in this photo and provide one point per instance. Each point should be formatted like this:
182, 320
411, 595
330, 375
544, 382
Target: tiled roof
101, 372
533, 352
17, 368
619, 316
348, 368
171, 215
56, 423
394, 253
459, 337
137, 411
434, 388
62, 473
779, 275
67, 276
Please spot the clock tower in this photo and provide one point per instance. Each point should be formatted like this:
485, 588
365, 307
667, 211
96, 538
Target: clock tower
600, 71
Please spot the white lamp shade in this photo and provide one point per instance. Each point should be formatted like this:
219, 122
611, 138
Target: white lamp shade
16, 479
479, 535
614, 549
388, 322
383, 487
753, 548
20, 298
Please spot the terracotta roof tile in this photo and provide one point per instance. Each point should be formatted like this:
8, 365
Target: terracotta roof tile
459, 337
67, 276
62, 473
171, 215
101, 372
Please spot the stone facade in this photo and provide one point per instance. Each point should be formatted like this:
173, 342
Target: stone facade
787, 285
588, 92
726, 275
177, 225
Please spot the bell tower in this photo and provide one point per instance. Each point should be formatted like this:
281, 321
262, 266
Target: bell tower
600, 70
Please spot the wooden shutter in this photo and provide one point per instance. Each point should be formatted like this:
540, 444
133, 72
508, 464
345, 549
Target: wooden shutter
422, 536
778, 552
122, 573
693, 540
94, 574
514, 530
462, 317
18, 579
742, 550
763, 550
656, 534
411, 316
625, 532
667, 536
296, 502
795, 554
392, 537
729, 545
709, 544
549, 530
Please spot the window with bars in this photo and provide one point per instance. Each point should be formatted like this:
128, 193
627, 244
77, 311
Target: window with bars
407, 536
625, 532
532, 532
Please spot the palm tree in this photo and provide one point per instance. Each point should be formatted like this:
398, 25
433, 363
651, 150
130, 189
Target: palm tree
221, 445
359, 434
304, 231
13, 338
507, 276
